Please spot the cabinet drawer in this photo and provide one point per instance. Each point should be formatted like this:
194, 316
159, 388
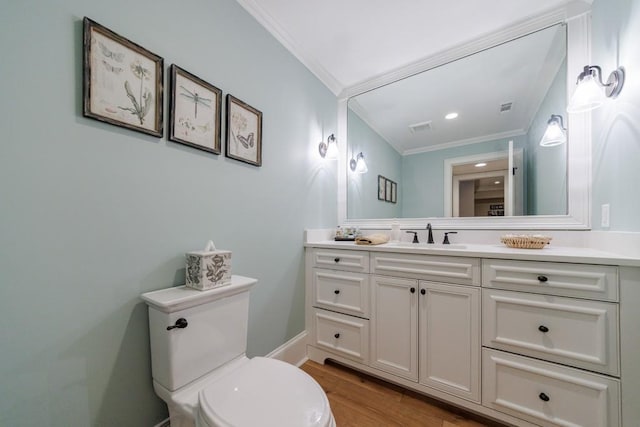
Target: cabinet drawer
459, 270
337, 259
571, 331
341, 291
548, 394
578, 280
344, 335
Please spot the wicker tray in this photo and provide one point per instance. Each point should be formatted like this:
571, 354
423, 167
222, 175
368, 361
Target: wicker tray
525, 241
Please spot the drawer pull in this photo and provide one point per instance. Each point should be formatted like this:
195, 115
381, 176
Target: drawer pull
542, 279
423, 291
543, 328
336, 336
413, 290
543, 397
337, 291
337, 260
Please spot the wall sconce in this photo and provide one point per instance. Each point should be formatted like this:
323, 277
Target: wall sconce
329, 149
588, 95
358, 164
555, 134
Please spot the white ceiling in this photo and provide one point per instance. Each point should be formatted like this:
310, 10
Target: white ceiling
345, 43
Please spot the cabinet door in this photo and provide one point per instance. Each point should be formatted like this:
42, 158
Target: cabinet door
450, 339
394, 333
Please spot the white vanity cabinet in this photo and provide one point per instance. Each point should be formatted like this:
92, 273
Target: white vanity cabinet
529, 341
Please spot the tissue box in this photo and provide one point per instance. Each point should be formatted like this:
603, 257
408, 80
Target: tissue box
208, 269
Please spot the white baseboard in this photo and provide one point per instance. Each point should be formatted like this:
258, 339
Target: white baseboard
293, 351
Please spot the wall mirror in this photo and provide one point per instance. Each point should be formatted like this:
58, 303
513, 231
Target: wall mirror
484, 168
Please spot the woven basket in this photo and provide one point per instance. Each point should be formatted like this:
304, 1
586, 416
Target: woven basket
524, 241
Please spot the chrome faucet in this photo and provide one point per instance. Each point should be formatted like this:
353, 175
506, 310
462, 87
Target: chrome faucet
430, 236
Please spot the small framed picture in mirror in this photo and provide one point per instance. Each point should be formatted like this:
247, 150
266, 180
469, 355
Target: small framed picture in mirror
382, 187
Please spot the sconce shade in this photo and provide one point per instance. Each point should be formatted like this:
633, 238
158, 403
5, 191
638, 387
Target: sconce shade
555, 134
358, 165
589, 95
329, 150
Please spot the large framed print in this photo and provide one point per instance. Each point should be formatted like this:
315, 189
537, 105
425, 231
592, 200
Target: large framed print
244, 132
122, 82
195, 111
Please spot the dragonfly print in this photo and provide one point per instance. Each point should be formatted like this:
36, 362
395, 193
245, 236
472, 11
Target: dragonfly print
196, 99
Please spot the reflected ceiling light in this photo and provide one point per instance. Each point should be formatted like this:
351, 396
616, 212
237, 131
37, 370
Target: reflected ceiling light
555, 134
451, 116
497, 182
480, 165
358, 164
329, 149
588, 94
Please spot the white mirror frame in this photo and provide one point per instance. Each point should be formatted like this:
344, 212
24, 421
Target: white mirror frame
578, 20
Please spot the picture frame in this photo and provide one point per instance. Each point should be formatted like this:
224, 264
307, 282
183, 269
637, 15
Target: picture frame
394, 192
244, 132
387, 194
122, 81
190, 95
382, 187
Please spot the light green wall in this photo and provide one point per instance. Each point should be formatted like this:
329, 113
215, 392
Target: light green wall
382, 159
616, 125
93, 215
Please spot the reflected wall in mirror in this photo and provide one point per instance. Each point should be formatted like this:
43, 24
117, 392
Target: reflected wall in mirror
503, 97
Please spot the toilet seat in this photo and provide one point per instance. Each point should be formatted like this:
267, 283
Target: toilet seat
265, 392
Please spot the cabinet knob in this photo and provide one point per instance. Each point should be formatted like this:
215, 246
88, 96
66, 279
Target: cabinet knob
336, 336
543, 397
336, 260
181, 323
423, 291
543, 328
543, 278
337, 291
413, 290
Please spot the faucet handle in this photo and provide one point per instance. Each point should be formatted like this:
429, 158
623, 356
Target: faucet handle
415, 236
446, 237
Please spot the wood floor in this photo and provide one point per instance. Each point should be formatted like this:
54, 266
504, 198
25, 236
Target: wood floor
358, 400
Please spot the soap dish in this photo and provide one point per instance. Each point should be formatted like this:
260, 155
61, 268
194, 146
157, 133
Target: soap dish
525, 241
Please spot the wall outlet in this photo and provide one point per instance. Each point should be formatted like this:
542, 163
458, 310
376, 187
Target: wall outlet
604, 216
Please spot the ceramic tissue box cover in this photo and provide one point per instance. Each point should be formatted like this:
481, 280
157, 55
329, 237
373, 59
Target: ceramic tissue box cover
209, 268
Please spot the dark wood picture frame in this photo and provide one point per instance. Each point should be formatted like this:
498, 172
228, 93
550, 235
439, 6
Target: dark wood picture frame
122, 81
394, 192
188, 92
382, 187
244, 132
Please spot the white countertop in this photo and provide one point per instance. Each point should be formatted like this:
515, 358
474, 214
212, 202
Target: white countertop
549, 253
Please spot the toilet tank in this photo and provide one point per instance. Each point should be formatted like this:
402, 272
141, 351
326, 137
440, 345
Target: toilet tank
215, 333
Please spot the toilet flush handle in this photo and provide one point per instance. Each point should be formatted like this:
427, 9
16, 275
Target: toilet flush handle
181, 323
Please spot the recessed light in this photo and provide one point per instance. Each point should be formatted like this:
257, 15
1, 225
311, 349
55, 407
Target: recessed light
480, 165
451, 116
497, 182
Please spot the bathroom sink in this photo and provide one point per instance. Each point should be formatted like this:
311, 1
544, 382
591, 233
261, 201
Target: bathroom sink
426, 245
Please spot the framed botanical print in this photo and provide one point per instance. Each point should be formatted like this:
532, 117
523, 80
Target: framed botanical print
387, 194
382, 187
244, 132
394, 192
122, 82
195, 111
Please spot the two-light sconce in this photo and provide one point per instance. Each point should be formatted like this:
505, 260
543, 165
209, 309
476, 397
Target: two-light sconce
589, 94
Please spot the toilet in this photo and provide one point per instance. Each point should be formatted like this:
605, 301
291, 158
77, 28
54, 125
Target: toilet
199, 366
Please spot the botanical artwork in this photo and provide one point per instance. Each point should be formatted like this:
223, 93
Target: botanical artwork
244, 132
387, 190
122, 81
387, 195
195, 111
382, 185
394, 192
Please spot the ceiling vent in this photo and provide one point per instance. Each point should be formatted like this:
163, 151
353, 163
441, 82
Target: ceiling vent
505, 107
420, 127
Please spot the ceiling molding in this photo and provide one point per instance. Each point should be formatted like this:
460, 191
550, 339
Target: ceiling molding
519, 29
272, 26
469, 141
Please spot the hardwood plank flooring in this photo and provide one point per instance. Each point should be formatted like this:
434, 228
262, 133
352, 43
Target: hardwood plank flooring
359, 400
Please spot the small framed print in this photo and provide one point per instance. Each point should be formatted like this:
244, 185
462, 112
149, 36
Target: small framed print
394, 192
387, 194
244, 132
382, 187
122, 81
195, 111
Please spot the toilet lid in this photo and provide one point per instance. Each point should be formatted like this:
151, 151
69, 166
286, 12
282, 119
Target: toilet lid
265, 392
